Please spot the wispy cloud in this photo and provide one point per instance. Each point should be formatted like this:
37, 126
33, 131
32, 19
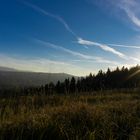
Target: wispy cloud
125, 46
133, 17
77, 54
125, 5
134, 59
85, 43
101, 60
56, 17
109, 49
131, 8
102, 46
67, 50
42, 65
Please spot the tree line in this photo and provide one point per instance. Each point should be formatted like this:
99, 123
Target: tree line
119, 78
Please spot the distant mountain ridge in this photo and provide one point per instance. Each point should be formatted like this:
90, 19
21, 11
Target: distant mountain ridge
7, 69
13, 78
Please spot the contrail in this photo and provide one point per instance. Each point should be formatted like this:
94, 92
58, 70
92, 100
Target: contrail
67, 50
125, 46
102, 46
131, 8
57, 17
81, 55
81, 41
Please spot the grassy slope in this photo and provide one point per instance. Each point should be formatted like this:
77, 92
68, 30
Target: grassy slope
100, 117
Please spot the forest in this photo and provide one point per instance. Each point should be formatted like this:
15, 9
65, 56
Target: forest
126, 79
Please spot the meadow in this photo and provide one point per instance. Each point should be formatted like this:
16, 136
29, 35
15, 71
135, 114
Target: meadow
76, 117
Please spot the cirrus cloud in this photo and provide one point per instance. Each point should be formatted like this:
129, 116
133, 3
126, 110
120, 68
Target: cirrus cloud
102, 46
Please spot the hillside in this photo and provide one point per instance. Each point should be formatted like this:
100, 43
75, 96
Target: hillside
7, 69
9, 78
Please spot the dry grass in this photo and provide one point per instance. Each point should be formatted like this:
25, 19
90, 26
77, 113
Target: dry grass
85, 117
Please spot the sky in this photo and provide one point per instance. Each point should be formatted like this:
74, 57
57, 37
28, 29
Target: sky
69, 36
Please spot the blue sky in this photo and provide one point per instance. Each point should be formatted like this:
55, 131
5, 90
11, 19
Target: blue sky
70, 36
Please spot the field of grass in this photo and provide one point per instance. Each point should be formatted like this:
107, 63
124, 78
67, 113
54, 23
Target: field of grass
84, 117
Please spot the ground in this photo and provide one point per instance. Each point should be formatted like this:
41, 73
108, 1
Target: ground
99, 116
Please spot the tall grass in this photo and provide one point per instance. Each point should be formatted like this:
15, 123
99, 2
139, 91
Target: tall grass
85, 117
